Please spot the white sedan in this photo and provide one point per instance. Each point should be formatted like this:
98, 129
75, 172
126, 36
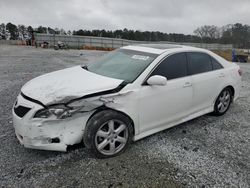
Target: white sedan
128, 94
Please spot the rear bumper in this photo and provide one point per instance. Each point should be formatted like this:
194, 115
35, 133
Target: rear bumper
46, 134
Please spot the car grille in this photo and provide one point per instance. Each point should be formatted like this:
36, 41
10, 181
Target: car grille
20, 111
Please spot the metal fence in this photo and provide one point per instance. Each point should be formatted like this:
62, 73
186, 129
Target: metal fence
102, 42
11, 42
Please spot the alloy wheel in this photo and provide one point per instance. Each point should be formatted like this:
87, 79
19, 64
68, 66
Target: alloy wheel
224, 101
111, 137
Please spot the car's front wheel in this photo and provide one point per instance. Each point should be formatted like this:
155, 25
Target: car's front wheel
223, 102
108, 133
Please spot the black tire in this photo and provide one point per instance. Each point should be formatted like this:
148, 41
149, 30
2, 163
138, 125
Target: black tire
101, 121
221, 111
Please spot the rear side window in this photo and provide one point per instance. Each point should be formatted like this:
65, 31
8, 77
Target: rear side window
174, 66
198, 63
216, 65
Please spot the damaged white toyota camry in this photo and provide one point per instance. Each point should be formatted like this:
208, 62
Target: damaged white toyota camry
128, 94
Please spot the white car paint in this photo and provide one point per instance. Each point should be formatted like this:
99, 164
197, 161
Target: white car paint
67, 84
37, 134
151, 108
173, 100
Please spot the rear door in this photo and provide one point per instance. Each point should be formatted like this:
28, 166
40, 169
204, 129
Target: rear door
206, 77
160, 105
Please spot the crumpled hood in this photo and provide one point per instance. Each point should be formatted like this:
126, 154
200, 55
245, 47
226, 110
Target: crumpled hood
67, 84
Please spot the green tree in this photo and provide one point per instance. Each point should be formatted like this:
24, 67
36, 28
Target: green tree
13, 30
30, 31
240, 35
41, 29
22, 32
2, 31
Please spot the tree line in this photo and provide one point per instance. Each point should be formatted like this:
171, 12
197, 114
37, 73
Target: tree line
236, 34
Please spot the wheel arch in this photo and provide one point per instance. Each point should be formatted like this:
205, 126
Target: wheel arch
102, 108
231, 88
216, 111
227, 86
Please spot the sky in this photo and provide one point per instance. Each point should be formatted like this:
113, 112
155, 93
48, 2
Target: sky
170, 16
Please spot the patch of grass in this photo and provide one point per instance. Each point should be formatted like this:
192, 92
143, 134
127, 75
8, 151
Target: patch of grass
226, 54
97, 48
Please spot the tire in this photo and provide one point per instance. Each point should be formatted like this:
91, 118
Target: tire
223, 102
108, 134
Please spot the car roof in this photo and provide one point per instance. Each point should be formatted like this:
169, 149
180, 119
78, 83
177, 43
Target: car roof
170, 48
159, 48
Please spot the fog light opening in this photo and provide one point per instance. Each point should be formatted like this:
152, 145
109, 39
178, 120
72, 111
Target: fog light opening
55, 140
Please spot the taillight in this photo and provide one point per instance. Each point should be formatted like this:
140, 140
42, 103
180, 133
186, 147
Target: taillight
240, 72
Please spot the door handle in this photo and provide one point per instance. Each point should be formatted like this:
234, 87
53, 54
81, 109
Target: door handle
221, 75
187, 84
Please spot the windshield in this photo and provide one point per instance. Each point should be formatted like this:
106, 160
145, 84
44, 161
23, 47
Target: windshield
122, 64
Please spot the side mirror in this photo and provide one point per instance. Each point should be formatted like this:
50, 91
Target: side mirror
157, 80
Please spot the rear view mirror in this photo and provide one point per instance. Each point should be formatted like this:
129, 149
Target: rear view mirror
157, 80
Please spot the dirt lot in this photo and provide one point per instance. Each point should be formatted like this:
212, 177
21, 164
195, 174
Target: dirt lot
205, 152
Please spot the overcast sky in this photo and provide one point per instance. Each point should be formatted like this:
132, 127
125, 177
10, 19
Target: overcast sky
181, 16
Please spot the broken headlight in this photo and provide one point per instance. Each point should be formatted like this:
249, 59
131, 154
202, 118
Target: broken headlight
58, 112
62, 111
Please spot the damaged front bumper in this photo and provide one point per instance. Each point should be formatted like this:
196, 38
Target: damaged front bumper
38, 133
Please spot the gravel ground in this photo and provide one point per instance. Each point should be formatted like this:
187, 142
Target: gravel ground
205, 152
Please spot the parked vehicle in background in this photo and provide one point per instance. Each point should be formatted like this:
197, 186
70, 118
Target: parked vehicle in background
45, 44
239, 56
130, 93
60, 46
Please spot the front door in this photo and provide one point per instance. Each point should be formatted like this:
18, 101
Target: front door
161, 105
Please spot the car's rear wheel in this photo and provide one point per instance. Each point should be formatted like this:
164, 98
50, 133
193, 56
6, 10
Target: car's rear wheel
223, 102
108, 133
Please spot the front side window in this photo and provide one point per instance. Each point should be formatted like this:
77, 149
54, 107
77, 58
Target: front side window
198, 63
122, 64
174, 66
